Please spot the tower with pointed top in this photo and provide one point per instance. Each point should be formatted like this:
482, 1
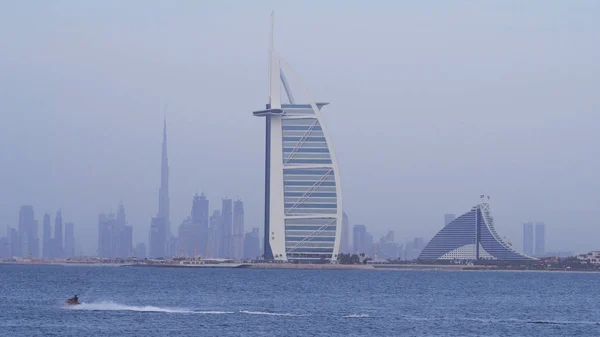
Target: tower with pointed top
303, 202
163, 192
160, 225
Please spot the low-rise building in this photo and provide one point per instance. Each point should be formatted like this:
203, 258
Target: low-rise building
592, 257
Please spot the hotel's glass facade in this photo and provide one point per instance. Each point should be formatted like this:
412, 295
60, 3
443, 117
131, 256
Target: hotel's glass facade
471, 236
309, 182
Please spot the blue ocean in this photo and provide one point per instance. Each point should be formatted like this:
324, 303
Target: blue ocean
126, 301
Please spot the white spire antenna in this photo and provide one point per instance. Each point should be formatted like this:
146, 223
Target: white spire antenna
274, 72
271, 59
271, 50
272, 27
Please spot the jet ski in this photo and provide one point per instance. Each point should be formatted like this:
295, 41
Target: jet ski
72, 301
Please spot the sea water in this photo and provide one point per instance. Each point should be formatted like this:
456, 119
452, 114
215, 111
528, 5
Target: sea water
126, 301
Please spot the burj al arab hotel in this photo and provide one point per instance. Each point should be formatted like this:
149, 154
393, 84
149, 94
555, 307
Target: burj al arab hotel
303, 199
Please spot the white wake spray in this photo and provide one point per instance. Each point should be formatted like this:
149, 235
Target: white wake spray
357, 316
112, 306
269, 313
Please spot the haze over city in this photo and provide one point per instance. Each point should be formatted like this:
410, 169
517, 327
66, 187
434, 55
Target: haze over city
430, 107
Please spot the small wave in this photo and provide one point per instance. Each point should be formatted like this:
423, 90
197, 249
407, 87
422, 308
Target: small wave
503, 320
357, 316
112, 306
563, 322
269, 313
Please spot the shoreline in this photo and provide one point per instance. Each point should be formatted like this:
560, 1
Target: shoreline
291, 266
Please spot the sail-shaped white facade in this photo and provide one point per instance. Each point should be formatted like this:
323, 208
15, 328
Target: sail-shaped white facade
471, 236
303, 201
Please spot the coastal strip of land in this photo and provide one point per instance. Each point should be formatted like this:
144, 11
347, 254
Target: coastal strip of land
229, 263
261, 265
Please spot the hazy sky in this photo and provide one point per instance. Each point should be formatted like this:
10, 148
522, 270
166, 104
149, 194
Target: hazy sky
432, 104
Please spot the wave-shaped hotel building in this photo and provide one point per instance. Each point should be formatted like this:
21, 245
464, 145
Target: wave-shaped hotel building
471, 236
303, 203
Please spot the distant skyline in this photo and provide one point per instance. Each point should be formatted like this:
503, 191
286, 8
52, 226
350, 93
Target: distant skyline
431, 106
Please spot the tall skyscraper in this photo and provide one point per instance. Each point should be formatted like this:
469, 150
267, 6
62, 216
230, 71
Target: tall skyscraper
158, 238
126, 242
540, 239
448, 218
58, 235
105, 238
238, 229
47, 237
186, 236
25, 216
172, 246
226, 234
34, 242
28, 232
359, 239
160, 241
214, 235
121, 234
69, 239
528, 239
303, 205
200, 223
5, 244
345, 236
4, 247
121, 218
13, 238
387, 247
115, 237
163, 192
116, 229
